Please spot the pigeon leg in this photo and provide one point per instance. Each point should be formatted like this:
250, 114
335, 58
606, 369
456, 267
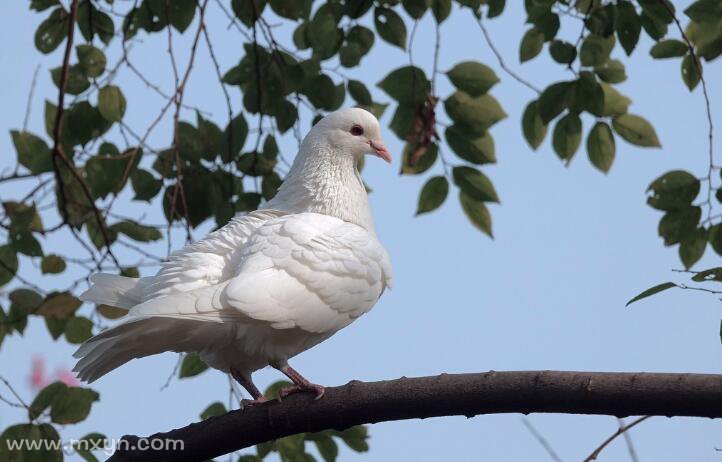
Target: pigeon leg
247, 383
299, 384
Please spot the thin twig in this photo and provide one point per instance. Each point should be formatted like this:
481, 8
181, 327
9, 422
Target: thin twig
15, 393
620, 430
628, 440
538, 436
500, 59
30, 98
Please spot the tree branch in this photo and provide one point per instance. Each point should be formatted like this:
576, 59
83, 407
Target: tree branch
612, 393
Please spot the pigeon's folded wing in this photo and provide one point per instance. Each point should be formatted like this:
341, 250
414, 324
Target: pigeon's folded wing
310, 271
206, 262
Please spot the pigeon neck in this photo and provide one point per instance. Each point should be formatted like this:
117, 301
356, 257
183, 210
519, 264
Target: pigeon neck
322, 180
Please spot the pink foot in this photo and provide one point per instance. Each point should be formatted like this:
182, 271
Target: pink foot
285, 391
253, 402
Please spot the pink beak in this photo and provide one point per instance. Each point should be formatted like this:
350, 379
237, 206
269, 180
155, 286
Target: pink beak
380, 150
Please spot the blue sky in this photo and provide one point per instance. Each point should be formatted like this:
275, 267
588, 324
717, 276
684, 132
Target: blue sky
572, 246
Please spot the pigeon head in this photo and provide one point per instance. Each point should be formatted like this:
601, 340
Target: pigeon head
353, 131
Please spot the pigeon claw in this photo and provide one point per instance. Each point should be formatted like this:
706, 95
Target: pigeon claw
319, 390
253, 402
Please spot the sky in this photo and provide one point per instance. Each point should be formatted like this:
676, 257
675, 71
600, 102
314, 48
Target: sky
571, 247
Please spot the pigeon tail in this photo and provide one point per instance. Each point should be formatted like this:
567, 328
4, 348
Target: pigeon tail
109, 289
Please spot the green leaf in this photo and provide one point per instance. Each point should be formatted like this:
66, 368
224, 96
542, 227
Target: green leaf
33, 153
628, 26
477, 114
661, 11
59, 305
615, 103
531, 44
553, 100
651, 291
270, 184
355, 438
73, 406
359, 92
215, 409
712, 274
673, 191
323, 33
668, 49
441, 9
92, 60
145, 185
477, 150
25, 243
587, 94
360, 39
136, 231
496, 7
92, 21
52, 264
655, 29
321, 92
111, 103
611, 72
704, 10
78, 329
181, 14
191, 366
532, 125
288, 10
45, 398
28, 437
111, 312
9, 266
424, 160
562, 52
234, 137
601, 21
108, 171
601, 147
715, 240
52, 31
26, 300
407, 85
472, 77
88, 443
189, 142
390, 26
636, 130
475, 184
477, 213
692, 247
595, 50
690, 73
433, 194
271, 392
676, 225
42, 5
567, 136
248, 11
415, 8
76, 83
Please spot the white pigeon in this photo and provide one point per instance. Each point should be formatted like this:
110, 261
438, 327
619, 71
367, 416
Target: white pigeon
271, 283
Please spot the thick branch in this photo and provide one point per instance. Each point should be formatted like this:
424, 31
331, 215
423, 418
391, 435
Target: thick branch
613, 393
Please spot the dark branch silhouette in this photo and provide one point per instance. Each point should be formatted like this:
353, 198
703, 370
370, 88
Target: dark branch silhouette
613, 393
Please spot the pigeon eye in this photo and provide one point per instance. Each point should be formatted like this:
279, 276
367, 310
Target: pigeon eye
357, 130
